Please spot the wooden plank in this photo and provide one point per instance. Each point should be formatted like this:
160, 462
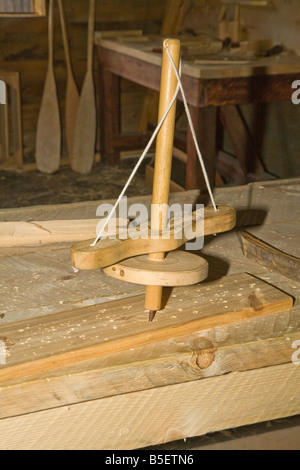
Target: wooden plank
232, 300
256, 203
182, 410
53, 231
269, 256
199, 360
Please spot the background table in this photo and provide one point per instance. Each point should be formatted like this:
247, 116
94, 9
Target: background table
207, 87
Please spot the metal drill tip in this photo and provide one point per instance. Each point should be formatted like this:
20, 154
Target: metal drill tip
152, 314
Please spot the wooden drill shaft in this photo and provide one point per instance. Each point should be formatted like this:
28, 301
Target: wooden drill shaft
163, 159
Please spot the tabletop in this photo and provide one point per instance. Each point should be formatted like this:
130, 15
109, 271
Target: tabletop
202, 57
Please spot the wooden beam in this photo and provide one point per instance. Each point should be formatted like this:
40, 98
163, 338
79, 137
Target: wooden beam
269, 256
200, 361
117, 326
184, 410
51, 231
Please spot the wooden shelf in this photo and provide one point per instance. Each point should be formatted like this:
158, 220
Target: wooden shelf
27, 8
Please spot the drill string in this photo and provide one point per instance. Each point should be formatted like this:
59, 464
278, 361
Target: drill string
190, 121
137, 166
156, 131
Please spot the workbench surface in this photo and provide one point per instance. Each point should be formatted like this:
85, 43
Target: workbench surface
149, 49
80, 350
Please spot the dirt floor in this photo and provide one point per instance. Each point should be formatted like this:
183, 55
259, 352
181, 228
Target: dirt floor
34, 188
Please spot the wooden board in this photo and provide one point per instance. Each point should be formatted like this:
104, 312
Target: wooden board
234, 299
256, 204
160, 365
269, 256
82, 350
182, 411
51, 231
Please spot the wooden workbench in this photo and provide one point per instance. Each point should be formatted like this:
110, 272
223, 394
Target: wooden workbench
207, 86
84, 368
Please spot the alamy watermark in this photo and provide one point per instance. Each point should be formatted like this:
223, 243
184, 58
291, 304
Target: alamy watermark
296, 355
2, 92
296, 94
2, 353
182, 222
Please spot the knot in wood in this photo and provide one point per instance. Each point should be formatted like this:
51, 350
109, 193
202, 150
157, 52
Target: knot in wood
203, 353
204, 358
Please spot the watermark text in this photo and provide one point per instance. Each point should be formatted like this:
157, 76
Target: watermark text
178, 222
2, 353
296, 355
2, 92
296, 94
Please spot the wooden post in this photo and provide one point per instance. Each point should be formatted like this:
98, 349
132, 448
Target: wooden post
163, 160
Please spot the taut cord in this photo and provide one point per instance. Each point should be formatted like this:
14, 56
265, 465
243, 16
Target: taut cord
142, 157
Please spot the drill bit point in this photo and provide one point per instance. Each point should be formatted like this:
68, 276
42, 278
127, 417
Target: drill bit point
152, 314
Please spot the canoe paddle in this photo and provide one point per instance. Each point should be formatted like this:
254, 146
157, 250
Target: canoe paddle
85, 129
72, 95
48, 138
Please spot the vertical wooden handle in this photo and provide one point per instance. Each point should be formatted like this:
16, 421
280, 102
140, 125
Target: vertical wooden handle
64, 34
237, 13
91, 27
50, 33
163, 158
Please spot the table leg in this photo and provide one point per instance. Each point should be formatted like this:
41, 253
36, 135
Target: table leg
243, 145
205, 123
109, 115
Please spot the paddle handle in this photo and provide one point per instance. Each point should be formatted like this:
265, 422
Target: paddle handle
50, 33
91, 27
163, 159
65, 35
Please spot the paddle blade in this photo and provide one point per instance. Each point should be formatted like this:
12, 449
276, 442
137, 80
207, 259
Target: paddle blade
72, 103
48, 138
85, 129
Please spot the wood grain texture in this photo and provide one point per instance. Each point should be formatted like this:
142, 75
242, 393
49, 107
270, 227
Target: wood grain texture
182, 410
195, 358
48, 136
178, 268
52, 231
218, 356
271, 257
117, 326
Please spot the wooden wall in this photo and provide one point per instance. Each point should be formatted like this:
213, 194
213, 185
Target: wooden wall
23, 47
